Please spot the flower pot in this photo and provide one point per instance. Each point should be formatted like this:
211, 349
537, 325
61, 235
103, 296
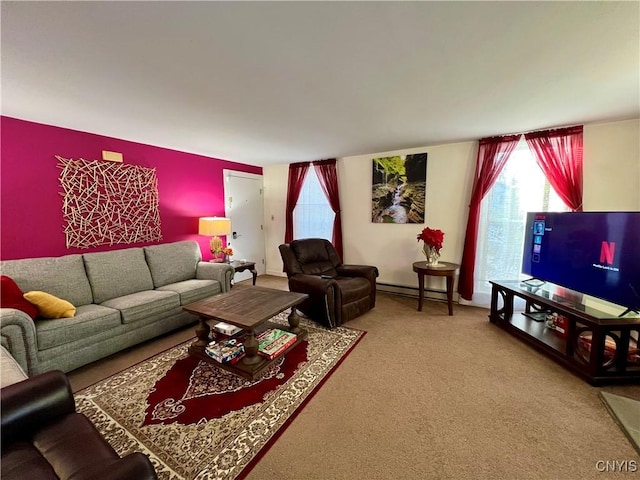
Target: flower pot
432, 255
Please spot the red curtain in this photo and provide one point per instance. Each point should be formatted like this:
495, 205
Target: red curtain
328, 177
559, 154
493, 154
297, 174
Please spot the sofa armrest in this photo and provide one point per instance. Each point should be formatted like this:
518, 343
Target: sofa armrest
27, 405
366, 271
222, 272
10, 371
325, 296
18, 332
311, 284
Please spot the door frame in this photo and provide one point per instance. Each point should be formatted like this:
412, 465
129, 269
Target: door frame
261, 266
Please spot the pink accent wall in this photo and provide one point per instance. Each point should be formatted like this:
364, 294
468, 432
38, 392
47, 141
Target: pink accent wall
31, 222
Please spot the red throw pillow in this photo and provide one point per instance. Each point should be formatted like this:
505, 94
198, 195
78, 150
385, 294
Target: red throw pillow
11, 297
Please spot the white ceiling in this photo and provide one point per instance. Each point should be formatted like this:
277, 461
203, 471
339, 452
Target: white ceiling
279, 82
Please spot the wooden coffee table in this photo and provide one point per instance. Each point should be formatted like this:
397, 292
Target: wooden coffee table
249, 308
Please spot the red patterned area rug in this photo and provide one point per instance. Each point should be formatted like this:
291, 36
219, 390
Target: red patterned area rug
197, 421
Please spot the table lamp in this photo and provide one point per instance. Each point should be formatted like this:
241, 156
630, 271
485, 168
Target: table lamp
213, 227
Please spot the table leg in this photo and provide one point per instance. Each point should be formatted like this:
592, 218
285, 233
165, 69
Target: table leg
202, 332
420, 290
254, 272
450, 293
596, 356
251, 350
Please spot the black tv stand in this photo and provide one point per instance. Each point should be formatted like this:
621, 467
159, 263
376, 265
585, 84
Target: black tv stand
534, 282
600, 347
629, 310
536, 316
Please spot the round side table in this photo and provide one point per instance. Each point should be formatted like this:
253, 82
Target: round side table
443, 269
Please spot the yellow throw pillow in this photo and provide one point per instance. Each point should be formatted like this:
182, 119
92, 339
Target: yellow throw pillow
50, 306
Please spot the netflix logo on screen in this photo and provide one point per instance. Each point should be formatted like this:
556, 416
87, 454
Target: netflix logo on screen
607, 253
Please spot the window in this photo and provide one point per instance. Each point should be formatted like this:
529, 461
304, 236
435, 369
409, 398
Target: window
312, 217
521, 187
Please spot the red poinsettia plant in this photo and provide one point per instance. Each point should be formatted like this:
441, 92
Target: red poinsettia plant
432, 237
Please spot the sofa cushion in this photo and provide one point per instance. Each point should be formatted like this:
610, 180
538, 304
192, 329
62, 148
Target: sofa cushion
73, 445
193, 290
50, 306
141, 305
172, 262
89, 320
354, 289
117, 273
12, 297
63, 277
316, 256
21, 457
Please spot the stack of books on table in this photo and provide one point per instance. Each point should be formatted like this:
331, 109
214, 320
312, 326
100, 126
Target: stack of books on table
226, 329
273, 341
225, 351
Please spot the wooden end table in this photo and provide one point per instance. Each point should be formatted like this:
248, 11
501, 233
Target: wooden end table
442, 269
241, 266
248, 308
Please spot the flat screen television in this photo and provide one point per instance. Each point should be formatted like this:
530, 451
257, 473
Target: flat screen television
596, 253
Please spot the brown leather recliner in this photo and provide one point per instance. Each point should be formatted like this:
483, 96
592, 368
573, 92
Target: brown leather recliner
43, 437
337, 292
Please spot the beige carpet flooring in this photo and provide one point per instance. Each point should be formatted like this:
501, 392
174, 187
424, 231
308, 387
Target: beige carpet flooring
428, 396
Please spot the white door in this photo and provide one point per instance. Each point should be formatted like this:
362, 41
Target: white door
244, 206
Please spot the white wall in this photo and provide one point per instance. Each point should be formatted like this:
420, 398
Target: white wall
274, 181
612, 166
611, 182
393, 247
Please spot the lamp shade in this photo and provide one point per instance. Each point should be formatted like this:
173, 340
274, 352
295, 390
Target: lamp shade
213, 226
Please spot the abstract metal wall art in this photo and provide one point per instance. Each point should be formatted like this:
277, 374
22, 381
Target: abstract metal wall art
106, 203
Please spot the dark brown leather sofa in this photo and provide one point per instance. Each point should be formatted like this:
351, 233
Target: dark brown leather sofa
337, 292
43, 437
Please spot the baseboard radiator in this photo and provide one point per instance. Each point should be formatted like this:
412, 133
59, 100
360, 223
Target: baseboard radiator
407, 291
394, 289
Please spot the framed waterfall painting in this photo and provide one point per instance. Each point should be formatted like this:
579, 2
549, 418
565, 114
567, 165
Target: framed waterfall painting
399, 187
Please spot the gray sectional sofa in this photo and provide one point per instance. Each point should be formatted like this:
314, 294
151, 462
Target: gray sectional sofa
123, 297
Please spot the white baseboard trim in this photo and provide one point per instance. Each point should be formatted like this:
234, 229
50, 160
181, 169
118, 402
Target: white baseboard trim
276, 273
